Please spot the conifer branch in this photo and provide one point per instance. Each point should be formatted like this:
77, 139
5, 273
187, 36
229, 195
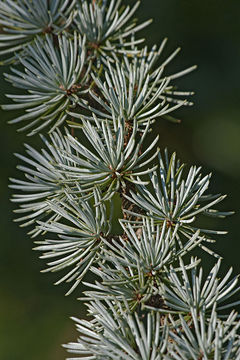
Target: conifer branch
85, 77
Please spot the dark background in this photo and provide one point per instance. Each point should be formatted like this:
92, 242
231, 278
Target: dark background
34, 315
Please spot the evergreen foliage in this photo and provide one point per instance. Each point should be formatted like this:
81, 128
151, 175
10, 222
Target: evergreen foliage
23, 20
86, 78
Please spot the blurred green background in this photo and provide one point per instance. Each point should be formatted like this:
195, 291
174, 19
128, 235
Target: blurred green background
34, 315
